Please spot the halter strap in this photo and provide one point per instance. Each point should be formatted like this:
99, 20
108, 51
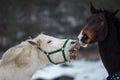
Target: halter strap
53, 52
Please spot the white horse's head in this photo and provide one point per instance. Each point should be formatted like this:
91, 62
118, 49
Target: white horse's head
56, 50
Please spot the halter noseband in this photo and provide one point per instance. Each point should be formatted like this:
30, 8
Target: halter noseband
53, 52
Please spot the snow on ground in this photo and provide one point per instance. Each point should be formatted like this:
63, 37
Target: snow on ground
79, 69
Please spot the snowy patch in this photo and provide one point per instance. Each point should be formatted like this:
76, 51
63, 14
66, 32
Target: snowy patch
79, 69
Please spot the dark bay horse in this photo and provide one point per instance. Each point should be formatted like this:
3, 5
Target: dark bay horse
103, 26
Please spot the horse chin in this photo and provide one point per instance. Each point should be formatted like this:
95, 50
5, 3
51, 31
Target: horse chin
73, 55
83, 44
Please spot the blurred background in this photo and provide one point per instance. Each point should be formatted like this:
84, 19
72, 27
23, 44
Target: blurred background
24, 19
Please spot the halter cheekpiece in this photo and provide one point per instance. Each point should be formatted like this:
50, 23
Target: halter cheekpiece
53, 52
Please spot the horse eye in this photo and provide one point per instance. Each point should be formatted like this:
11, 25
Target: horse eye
49, 41
100, 18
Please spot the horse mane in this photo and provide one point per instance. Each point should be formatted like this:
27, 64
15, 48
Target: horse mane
115, 20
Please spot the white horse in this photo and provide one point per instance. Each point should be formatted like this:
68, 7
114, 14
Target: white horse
22, 61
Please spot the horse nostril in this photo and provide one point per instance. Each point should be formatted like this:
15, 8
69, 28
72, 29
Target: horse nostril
84, 38
73, 42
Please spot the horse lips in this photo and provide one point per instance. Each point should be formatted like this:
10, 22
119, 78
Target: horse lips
74, 50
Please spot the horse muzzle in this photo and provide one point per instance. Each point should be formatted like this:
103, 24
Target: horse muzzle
82, 43
82, 39
74, 50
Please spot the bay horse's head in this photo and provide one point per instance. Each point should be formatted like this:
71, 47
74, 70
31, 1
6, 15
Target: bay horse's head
96, 26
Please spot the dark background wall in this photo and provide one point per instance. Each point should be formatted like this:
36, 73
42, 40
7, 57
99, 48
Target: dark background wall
21, 19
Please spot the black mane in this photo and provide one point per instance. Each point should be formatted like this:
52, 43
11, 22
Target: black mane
116, 22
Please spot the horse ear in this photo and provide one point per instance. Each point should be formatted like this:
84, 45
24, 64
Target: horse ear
115, 12
33, 43
92, 8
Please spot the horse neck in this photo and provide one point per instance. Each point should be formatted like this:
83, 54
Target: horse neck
110, 50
